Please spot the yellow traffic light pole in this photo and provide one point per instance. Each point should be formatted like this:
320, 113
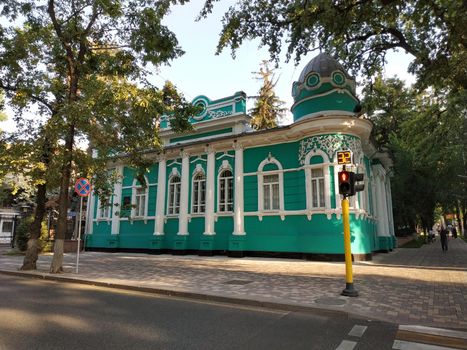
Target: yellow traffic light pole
349, 290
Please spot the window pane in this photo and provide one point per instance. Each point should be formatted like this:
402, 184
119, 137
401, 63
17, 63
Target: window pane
321, 193
316, 172
7, 226
267, 197
314, 193
275, 196
203, 192
270, 178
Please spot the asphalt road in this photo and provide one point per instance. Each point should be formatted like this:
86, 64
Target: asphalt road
37, 314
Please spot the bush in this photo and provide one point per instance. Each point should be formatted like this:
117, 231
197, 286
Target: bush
23, 234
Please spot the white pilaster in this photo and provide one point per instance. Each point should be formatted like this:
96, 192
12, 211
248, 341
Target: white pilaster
117, 201
183, 215
327, 187
89, 213
390, 212
160, 199
239, 226
385, 207
210, 182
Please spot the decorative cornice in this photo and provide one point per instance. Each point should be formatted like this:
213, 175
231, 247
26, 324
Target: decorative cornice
330, 144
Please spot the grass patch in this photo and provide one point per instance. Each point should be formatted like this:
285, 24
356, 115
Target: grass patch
415, 243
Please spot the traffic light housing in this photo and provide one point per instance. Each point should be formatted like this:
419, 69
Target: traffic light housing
355, 186
345, 186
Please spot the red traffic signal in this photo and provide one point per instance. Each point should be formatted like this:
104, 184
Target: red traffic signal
344, 183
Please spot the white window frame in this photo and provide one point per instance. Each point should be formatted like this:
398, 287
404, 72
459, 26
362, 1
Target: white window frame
198, 205
228, 202
309, 178
174, 209
320, 189
104, 213
261, 174
136, 211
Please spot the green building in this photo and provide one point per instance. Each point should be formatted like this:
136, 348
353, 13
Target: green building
227, 189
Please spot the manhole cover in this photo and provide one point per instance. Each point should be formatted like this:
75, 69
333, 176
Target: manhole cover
238, 282
330, 301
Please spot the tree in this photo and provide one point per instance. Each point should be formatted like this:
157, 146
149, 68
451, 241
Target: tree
358, 32
83, 63
268, 107
425, 132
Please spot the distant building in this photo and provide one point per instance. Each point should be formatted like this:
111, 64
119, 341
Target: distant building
224, 188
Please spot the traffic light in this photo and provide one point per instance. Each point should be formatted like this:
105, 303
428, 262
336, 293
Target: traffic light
355, 186
344, 182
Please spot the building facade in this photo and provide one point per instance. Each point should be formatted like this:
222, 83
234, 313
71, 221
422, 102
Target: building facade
224, 188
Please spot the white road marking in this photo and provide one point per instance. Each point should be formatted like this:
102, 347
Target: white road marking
406, 345
357, 330
434, 331
346, 345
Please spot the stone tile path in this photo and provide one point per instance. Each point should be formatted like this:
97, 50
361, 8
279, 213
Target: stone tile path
407, 286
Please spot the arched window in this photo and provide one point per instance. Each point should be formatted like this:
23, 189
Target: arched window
318, 193
139, 199
225, 191
270, 185
199, 193
174, 195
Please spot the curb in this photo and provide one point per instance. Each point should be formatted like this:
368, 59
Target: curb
193, 295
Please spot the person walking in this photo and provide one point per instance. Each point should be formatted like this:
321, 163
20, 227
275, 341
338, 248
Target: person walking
443, 235
454, 232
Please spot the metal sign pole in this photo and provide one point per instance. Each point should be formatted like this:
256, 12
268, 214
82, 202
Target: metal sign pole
79, 234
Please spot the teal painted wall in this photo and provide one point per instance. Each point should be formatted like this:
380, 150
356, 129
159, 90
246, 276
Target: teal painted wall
293, 234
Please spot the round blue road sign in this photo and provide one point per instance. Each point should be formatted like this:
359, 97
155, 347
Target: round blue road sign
83, 187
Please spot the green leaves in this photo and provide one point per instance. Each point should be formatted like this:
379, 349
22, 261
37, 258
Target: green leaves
358, 32
425, 133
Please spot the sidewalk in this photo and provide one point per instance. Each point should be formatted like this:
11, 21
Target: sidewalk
407, 286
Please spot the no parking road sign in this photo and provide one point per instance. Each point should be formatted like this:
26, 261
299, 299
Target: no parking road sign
83, 187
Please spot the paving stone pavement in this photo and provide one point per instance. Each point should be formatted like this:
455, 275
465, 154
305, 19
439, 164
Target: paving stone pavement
422, 286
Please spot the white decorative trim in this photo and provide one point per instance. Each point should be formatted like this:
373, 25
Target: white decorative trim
198, 159
183, 213
210, 188
160, 198
225, 154
339, 90
330, 144
173, 162
239, 228
270, 160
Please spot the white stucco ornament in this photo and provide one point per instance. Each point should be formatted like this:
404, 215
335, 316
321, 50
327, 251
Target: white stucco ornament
330, 144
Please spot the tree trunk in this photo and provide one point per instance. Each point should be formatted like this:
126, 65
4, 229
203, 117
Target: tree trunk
57, 261
32, 253
63, 201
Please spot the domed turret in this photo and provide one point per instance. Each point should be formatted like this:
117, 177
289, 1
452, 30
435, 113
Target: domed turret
324, 87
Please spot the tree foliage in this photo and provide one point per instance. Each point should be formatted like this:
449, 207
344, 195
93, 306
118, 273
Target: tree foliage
82, 65
425, 132
358, 32
268, 108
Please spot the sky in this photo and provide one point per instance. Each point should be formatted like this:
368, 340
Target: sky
200, 72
